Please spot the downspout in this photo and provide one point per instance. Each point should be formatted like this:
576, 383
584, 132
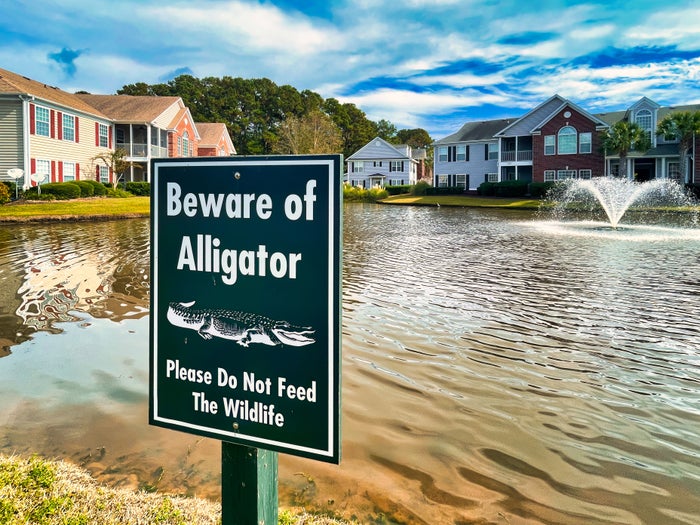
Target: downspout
26, 143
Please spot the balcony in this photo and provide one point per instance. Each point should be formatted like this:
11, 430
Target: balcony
516, 156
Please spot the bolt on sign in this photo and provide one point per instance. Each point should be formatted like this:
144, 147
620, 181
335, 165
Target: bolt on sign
245, 301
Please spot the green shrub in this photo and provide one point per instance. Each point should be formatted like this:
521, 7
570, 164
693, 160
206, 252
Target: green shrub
420, 188
59, 190
357, 194
539, 190
142, 189
4, 193
86, 189
118, 193
98, 188
512, 188
446, 190
398, 190
487, 189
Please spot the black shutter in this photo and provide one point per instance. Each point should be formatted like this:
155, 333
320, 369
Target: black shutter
486, 152
467, 153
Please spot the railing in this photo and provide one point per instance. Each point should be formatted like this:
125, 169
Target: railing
157, 151
133, 149
512, 156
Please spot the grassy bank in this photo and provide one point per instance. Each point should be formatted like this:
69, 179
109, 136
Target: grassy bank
472, 201
77, 209
33, 490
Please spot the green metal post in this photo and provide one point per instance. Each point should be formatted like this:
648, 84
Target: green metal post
248, 485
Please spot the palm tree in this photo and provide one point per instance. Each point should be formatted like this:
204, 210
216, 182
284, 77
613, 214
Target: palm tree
623, 137
682, 126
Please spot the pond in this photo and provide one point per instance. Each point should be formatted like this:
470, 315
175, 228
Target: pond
495, 370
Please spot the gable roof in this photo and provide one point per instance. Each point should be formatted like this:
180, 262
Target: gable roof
210, 134
14, 84
573, 106
378, 148
130, 108
474, 131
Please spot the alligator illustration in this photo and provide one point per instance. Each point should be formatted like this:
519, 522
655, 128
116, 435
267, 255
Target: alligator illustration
242, 327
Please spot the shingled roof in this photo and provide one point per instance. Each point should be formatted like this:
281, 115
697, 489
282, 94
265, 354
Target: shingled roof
130, 108
478, 130
14, 84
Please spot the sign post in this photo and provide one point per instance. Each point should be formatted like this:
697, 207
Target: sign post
245, 313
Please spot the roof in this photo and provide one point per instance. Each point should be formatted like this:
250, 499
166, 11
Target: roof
472, 131
14, 84
130, 108
378, 149
210, 133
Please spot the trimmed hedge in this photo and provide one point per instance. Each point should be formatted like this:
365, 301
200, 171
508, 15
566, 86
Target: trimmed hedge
398, 190
4, 193
99, 189
539, 190
86, 189
142, 189
506, 188
57, 190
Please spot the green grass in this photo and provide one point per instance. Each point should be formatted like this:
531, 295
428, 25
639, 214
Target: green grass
41, 492
98, 207
464, 201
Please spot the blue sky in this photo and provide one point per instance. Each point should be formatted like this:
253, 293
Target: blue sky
431, 64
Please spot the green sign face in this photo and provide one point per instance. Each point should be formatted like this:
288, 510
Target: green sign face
245, 301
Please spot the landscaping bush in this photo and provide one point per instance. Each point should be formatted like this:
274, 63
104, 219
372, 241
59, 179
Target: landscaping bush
447, 190
694, 190
57, 190
487, 189
142, 189
539, 190
420, 187
357, 194
398, 190
86, 189
4, 193
512, 188
98, 188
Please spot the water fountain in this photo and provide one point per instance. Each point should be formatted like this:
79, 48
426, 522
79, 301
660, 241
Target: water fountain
661, 207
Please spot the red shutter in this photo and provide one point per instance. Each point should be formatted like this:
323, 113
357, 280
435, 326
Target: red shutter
59, 118
77, 128
110, 138
77, 171
97, 133
32, 165
52, 124
60, 171
97, 173
32, 119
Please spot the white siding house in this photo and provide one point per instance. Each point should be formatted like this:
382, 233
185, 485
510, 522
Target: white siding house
380, 164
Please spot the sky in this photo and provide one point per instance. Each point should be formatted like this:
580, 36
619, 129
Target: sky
431, 64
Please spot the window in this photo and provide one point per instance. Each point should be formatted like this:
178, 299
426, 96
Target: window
104, 136
492, 177
185, 144
396, 165
492, 151
69, 127
643, 120
566, 174
43, 126
358, 166
442, 154
44, 167
584, 174
584, 143
377, 164
461, 152
549, 145
68, 171
567, 141
461, 180
103, 174
674, 171
442, 181
550, 175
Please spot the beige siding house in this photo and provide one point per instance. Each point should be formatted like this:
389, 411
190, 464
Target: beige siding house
47, 132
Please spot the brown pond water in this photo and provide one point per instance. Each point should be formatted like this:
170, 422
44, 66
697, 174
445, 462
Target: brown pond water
496, 369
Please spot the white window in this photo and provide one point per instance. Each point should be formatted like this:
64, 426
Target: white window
104, 136
185, 144
43, 126
68, 171
461, 152
550, 175
396, 165
584, 142
358, 166
566, 174
643, 120
44, 167
492, 177
493, 151
442, 154
674, 171
442, 181
69, 128
461, 180
567, 141
584, 174
103, 175
549, 145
